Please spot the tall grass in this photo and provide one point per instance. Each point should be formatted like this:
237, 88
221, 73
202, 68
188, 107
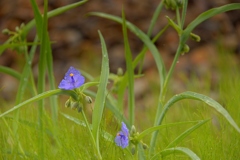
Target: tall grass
66, 134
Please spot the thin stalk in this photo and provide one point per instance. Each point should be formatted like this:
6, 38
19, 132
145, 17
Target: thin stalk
91, 135
162, 99
13, 135
160, 109
41, 79
184, 12
53, 100
130, 72
19, 98
179, 18
10, 72
154, 18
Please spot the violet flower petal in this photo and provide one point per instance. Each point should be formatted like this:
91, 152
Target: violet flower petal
72, 79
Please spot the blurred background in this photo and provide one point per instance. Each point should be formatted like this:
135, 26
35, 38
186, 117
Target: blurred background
76, 41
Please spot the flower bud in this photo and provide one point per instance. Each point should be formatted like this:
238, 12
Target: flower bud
145, 146
5, 31
173, 4
195, 37
88, 99
186, 49
120, 72
68, 103
133, 130
133, 150
74, 105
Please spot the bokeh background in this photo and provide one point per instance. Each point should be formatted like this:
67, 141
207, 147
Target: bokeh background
76, 42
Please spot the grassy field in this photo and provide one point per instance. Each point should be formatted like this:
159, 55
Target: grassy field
40, 127
214, 140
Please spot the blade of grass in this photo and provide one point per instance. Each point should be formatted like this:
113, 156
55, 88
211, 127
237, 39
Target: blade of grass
206, 15
200, 97
101, 94
10, 72
42, 31
20, 92
107, 136
186, 133
184, 12
154, 18
169, 151
40, 97
49, 65
152, 129
130, 72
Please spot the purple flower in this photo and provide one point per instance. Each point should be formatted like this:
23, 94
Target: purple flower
122, 136
72, 79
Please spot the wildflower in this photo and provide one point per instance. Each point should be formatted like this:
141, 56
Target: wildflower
122, 136
72, 79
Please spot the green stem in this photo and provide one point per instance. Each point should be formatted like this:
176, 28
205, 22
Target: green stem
92, 138
178, 18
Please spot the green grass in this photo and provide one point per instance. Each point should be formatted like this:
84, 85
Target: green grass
214, 140
48, 130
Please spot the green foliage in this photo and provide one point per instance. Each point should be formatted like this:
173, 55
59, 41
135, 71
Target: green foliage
92, 136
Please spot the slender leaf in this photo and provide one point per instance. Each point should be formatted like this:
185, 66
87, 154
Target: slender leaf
186, 133
101, 93
200, 97
39, 97
152, 129
154, 18
10, 72
107, 136
169, 151
206, 15
130, 72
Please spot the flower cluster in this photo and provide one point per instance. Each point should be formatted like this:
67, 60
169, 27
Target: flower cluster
122, 139
72, 79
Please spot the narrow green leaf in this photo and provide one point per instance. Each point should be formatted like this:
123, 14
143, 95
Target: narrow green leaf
169, 151
88, 84
10, 72
14, 45
101, 93
107, 136
152, 129
200, 97
154, 18
130, 72
186, 133
37, 17
206, 15
41, 96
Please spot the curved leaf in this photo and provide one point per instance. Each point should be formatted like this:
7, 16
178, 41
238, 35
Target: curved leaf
186, 133
169, 151
10, 72
200, 97
152, 129
208, 14
39, 97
